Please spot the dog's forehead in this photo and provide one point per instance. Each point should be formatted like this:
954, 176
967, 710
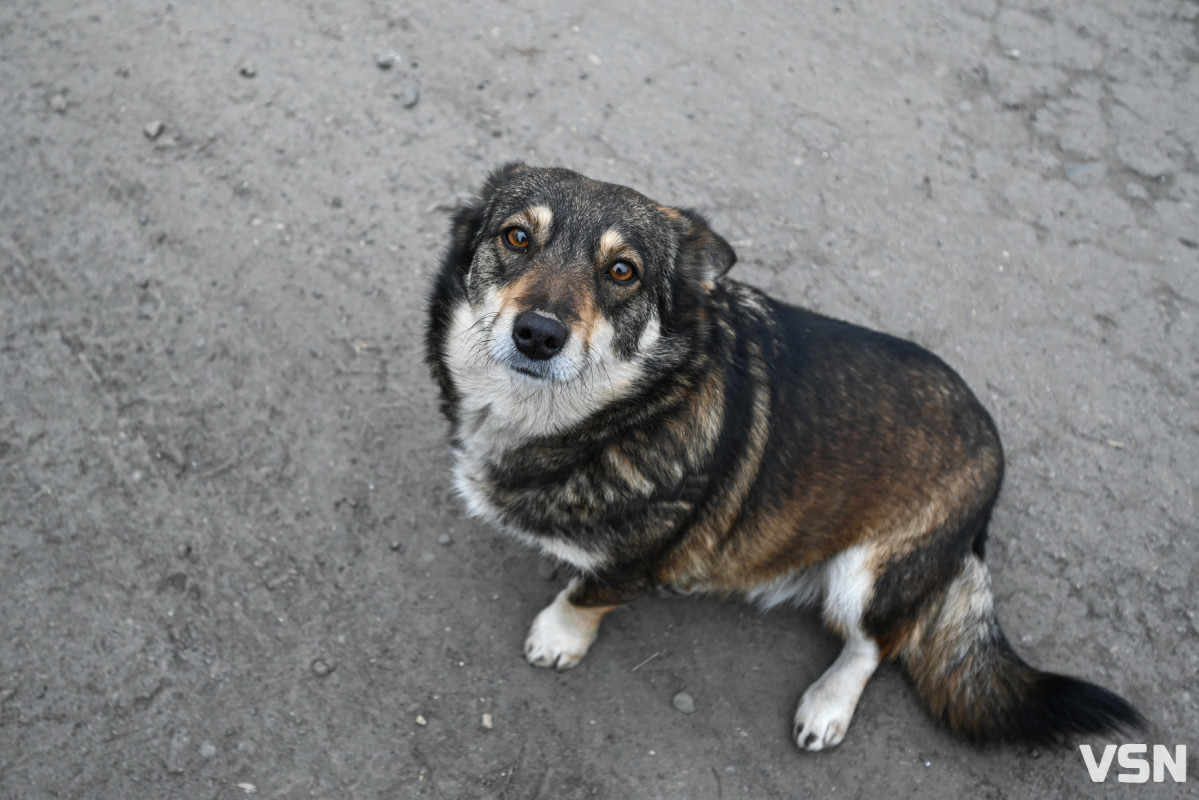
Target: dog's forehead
578, 201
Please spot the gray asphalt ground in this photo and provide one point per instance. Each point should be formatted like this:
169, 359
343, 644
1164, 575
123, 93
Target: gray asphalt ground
231, 561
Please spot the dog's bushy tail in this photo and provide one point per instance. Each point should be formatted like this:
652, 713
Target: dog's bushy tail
970, 678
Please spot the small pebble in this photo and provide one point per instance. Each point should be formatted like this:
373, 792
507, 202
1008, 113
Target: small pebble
1088, 172
445, 539
683, 702
335, 202
409, 96
387, 60
207, 750
59, 103
1136, 191
143, 220
488, 723
420, 720
321, 667
154, 129
247, 70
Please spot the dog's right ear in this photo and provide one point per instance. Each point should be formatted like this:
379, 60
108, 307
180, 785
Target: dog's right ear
464, 237
464, 230
497, 179
467, 223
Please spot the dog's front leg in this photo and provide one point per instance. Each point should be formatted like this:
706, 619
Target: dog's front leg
565, 629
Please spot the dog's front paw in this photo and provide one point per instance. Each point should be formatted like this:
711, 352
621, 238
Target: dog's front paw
560, 635
822, 717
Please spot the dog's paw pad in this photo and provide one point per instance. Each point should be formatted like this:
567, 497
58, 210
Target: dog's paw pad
821, 721
554, 642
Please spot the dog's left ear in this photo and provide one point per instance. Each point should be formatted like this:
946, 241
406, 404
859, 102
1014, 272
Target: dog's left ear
703, 253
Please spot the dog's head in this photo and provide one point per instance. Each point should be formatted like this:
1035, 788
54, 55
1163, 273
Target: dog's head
572, 287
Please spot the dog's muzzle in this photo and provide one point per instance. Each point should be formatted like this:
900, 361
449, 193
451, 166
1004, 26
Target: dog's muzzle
537, 336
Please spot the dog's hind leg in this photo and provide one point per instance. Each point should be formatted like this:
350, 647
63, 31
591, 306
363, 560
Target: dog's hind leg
828, 704
564, 630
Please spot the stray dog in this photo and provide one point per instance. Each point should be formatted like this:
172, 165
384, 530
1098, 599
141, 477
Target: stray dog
619, 403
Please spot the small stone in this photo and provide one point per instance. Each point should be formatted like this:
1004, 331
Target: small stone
207, 750
59, 103
321, 667
1088, 172
409, 96
154, 129
420, 720
1136, 191
445, 540
683, 703
201, 343
143, 220
335, 202
387, 60
175, 759
488, 722
247, 70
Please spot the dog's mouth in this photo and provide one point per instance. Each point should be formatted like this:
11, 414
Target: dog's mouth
527, 372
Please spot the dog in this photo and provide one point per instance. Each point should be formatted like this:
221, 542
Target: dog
619, 403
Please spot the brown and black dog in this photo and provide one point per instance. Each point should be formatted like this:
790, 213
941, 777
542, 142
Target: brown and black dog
618, 402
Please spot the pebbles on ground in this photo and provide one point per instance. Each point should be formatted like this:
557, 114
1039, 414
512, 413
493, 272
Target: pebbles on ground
683, 702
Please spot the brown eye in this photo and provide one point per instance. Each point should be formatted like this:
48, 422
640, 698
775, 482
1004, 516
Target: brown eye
517, 237
621, 272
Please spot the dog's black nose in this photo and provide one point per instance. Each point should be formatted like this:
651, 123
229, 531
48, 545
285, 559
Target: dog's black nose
537, 336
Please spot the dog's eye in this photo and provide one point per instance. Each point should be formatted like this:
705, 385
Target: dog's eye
621, 272
517, 238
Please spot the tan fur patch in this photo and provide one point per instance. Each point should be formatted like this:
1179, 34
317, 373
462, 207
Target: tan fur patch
708, 555
550, 289
537, 220
628, 471
612, 248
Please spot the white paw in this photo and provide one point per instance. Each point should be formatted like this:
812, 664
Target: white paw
827, 706
560, 635
822, 717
